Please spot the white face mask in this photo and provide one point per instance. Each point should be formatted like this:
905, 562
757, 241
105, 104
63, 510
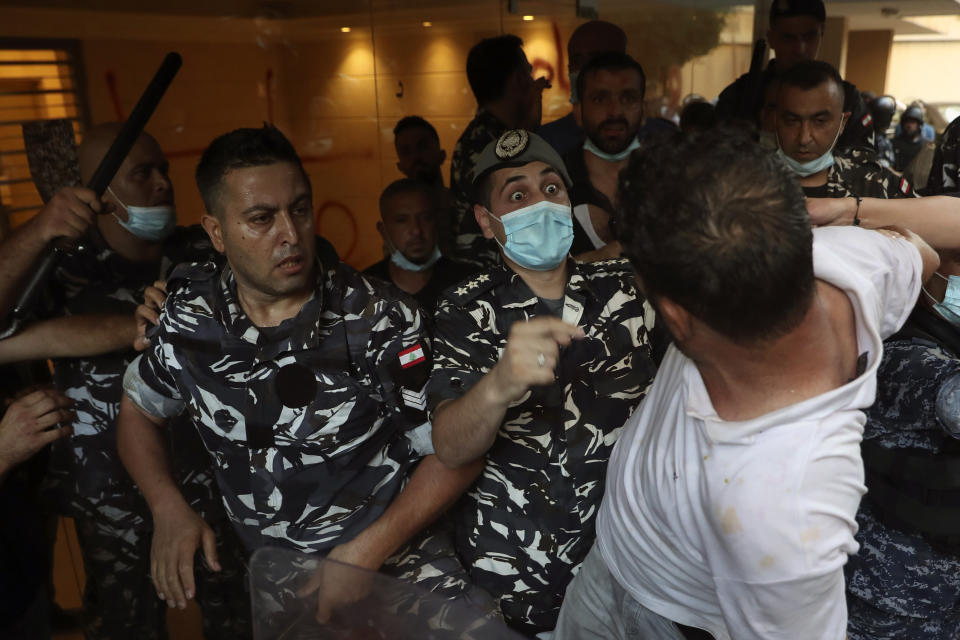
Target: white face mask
153, 224
405, 263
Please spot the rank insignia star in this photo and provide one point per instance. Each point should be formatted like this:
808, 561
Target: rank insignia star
473, 284
482, 278
462, 291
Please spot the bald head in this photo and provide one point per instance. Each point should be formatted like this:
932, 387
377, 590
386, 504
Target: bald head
96, 142
142, 178
592, 38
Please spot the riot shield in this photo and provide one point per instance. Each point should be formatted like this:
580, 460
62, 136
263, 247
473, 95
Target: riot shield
286, 589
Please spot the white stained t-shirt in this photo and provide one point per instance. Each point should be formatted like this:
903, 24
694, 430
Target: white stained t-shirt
742, 527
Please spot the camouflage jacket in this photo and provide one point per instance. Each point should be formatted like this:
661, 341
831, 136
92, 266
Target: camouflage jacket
858, 172
85, 476
944, 176
900, 585
313, 424
471, 246
528, 522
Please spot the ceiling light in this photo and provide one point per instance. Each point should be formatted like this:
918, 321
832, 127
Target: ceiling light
528, 18
345, 29
427, 23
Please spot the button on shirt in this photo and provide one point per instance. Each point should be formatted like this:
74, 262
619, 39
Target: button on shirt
313, 424
528, 522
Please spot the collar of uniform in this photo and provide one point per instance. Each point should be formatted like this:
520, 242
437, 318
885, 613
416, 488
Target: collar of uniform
486, 120
520, 294
239, 326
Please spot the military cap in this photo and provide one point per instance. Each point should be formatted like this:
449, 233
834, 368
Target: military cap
793, 8
516, 148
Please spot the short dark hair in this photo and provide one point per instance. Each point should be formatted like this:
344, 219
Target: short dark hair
414, 122
405, 185
718, 225
610, 61
239, 149
793, 8
810, 74
490, 64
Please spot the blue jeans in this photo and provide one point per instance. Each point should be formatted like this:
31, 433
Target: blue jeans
596, 606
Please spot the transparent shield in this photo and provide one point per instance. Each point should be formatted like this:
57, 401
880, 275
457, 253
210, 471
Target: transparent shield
287, 588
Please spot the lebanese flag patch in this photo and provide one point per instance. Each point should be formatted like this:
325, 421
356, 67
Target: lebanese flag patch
413, 355
904, 186
866, 120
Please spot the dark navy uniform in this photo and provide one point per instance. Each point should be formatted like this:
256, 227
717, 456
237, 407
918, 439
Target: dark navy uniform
528, 522
857, 172
945, 172
904, 583
86, 479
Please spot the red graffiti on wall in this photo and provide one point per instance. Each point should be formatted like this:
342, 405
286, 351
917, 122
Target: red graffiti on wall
111, 79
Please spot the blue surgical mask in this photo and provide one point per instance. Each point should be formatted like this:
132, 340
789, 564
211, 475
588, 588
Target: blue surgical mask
611, 157
949, 309
806, 169
402, 261
539, 236
574, 98
152, 224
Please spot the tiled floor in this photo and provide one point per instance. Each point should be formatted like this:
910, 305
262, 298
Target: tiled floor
68, 579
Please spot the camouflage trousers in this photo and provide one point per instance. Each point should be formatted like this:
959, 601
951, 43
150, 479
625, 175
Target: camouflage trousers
421, 591
119, 599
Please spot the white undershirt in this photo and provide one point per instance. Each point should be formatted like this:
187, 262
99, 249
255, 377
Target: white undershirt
742, 528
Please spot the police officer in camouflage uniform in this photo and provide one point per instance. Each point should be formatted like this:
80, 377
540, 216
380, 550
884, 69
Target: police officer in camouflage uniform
809, 120
882, 110
90, 299
905, 581
945, 172
537, 364
304, 379
507, 97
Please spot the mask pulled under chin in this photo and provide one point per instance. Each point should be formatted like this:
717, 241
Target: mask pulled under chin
152, 224
807, 169
397, 258
611, 157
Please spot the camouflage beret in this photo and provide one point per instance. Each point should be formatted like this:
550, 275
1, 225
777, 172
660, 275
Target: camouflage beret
516, 148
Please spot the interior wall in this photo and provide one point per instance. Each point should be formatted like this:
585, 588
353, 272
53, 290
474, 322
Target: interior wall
868, 55
337, 94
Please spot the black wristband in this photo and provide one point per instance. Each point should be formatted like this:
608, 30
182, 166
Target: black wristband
856, 214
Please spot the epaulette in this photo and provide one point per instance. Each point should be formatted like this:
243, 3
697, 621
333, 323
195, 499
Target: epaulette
617, 266
184, 274
474, 286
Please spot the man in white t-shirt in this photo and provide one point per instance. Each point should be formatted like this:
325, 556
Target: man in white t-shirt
732, 491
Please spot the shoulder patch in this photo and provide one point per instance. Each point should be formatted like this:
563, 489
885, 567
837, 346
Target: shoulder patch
866, 120
474, 286
904, 186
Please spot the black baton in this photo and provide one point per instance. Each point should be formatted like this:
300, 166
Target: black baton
107, 168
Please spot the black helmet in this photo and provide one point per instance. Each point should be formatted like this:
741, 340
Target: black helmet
882, 110
913, 113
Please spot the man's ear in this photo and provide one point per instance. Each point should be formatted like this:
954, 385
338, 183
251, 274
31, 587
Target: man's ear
480, 213
399, 168
214, 228
578, 112
443, 156
381, 230
678, 320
